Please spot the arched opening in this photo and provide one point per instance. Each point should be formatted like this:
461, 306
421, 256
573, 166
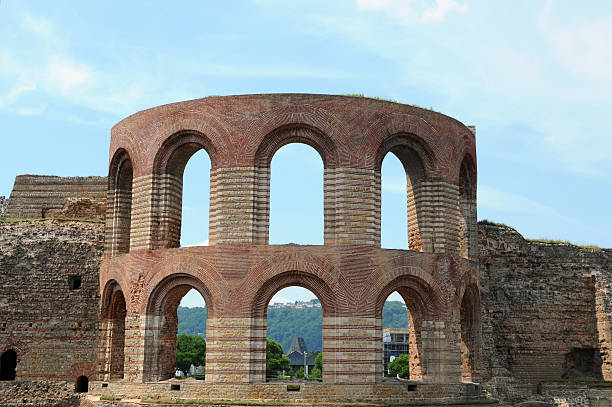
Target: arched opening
169, 169
467, 209
116, 328
302, 134
401, 336
161, 344
81, 385
415, 158
191, 336
314, 286
119, 217
196, 200
470, 333
295, 322
393, 214
8, 365
296, 195
421, 297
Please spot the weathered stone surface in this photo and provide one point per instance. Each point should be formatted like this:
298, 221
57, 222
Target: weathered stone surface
39, 196
53, 328
546, 307
38, 393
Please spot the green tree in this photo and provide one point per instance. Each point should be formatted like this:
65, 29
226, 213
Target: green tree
299, 374
317, 370
275, 361
400, 366
190, 350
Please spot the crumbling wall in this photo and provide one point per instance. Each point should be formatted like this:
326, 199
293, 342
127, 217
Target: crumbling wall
43, 196
546, 307
49, 276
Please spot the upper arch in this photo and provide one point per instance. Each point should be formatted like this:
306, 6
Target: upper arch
178, 284
177, 149
320, 129
393, 130
118, 177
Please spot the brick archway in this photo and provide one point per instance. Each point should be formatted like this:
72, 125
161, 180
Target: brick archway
162, 323
350, 274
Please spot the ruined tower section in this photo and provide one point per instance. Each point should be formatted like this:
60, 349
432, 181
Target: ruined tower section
145, 273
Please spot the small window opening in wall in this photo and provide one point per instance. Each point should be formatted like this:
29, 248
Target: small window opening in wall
74, 282
293, 387
412, 387
82, 385
175, 387
104, 385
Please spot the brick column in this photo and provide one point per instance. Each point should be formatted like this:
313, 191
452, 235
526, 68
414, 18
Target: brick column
352, 351
238, 211
468, 227
235, 352
142, 212
352, 206
118, 222
441, 352
434, 218
603, 312
133, 349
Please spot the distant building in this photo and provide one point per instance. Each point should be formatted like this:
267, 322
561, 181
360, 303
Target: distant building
299, 357
395, 343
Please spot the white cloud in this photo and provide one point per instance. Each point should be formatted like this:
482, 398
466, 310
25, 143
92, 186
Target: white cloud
414, 10
499, 200
68, 76
394, 184
202, 243
277, 299
582, 45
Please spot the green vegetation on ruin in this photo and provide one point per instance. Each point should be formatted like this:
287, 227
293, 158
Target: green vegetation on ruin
490, 223
109, 398
361, 95
543, 239
565, 242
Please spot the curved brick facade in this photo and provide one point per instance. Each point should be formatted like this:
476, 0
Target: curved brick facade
145, 273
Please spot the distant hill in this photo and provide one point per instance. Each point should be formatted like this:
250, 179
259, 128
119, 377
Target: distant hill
285, 322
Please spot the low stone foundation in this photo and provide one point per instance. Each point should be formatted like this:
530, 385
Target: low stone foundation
288, 392
38, 393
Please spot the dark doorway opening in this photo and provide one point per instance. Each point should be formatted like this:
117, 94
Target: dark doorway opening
82, 385
8, 365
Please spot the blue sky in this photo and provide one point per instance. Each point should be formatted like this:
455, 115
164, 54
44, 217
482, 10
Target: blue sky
532, 76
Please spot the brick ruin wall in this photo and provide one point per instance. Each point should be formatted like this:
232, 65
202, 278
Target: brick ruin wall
52, 328
42, 196
546, 307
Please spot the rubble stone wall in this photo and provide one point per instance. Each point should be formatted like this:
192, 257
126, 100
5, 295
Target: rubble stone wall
43, 196
52, 328
546, 307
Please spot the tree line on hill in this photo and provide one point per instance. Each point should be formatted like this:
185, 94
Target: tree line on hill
285, 323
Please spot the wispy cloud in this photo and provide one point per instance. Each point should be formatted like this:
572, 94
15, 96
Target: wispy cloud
202, 243
410, 11
508, 202
582, 45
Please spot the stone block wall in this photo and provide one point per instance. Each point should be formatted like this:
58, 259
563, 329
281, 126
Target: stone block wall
546, 307
43, 196
52, 328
